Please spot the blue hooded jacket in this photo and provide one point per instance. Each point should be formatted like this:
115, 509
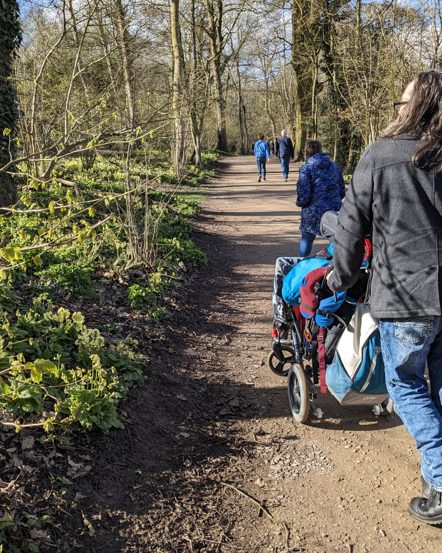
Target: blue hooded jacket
320, 189
261, 149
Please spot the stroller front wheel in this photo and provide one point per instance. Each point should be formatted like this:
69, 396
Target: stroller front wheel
298, 392
280, 363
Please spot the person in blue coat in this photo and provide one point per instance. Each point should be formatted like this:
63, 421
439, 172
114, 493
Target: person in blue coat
286, 152
262, 153
320, 189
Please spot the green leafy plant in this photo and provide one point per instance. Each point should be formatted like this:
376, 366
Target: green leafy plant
184, 251
52, 363
60, 240
140, 296
69, 278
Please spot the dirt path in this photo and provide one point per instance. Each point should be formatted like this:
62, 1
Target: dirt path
213, 421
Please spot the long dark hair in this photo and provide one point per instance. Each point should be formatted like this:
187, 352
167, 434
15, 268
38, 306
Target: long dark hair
422, 116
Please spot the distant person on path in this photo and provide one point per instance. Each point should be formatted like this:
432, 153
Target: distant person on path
396, 196
285, 152
262, 154
320, 189
272, 148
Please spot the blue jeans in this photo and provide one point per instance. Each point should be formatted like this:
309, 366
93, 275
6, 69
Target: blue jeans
285, 162
261, 164
306, 243
407, 345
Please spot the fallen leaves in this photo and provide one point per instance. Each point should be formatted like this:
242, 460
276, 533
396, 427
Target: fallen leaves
76, 470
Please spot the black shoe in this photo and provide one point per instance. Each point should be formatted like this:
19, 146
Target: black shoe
428, 510
264, 179
426, 488
259, 178
285, 180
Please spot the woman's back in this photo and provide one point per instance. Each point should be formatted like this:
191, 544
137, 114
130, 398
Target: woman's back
402, 207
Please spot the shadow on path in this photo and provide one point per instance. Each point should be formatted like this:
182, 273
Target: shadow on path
155, 484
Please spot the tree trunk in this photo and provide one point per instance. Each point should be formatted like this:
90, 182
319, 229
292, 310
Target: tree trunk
220, 104
300, 130
177, 86
126, 62
195, 128
10, 34
268, 110
197, 147
241, 113
303, 76
78, 43
216, 47
314, 115
334, 97
105, 46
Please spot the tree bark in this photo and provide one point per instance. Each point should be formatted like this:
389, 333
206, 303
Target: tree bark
126, 62
303, 75
242, 113
177, 86
10, 36
216, 46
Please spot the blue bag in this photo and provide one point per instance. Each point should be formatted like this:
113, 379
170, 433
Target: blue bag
357, 375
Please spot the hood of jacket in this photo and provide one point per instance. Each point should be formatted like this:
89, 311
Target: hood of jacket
320, 160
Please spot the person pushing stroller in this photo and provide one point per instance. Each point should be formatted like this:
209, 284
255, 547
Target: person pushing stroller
396, 196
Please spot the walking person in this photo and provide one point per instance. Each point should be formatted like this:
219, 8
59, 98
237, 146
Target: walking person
286, 152
320, 188
262, 154
396, 196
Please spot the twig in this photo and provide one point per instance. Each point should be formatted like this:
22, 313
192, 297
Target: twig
261, 506
219, 544
16, 425
190, 544
5, 487
224, 535
287, 538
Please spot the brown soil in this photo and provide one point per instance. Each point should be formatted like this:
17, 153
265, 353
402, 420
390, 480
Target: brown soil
209, 437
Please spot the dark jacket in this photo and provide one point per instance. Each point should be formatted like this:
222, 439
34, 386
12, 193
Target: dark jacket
284, 147
320, 189
401, 207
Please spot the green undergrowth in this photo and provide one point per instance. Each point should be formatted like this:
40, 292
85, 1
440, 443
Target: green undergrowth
70, 241
57, 370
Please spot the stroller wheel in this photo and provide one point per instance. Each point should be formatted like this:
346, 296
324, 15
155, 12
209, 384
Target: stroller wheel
298, 391
281, 366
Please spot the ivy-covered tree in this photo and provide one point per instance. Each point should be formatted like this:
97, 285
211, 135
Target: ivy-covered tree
10, 36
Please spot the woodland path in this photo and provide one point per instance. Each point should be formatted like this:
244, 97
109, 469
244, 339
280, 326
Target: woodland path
211, 414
